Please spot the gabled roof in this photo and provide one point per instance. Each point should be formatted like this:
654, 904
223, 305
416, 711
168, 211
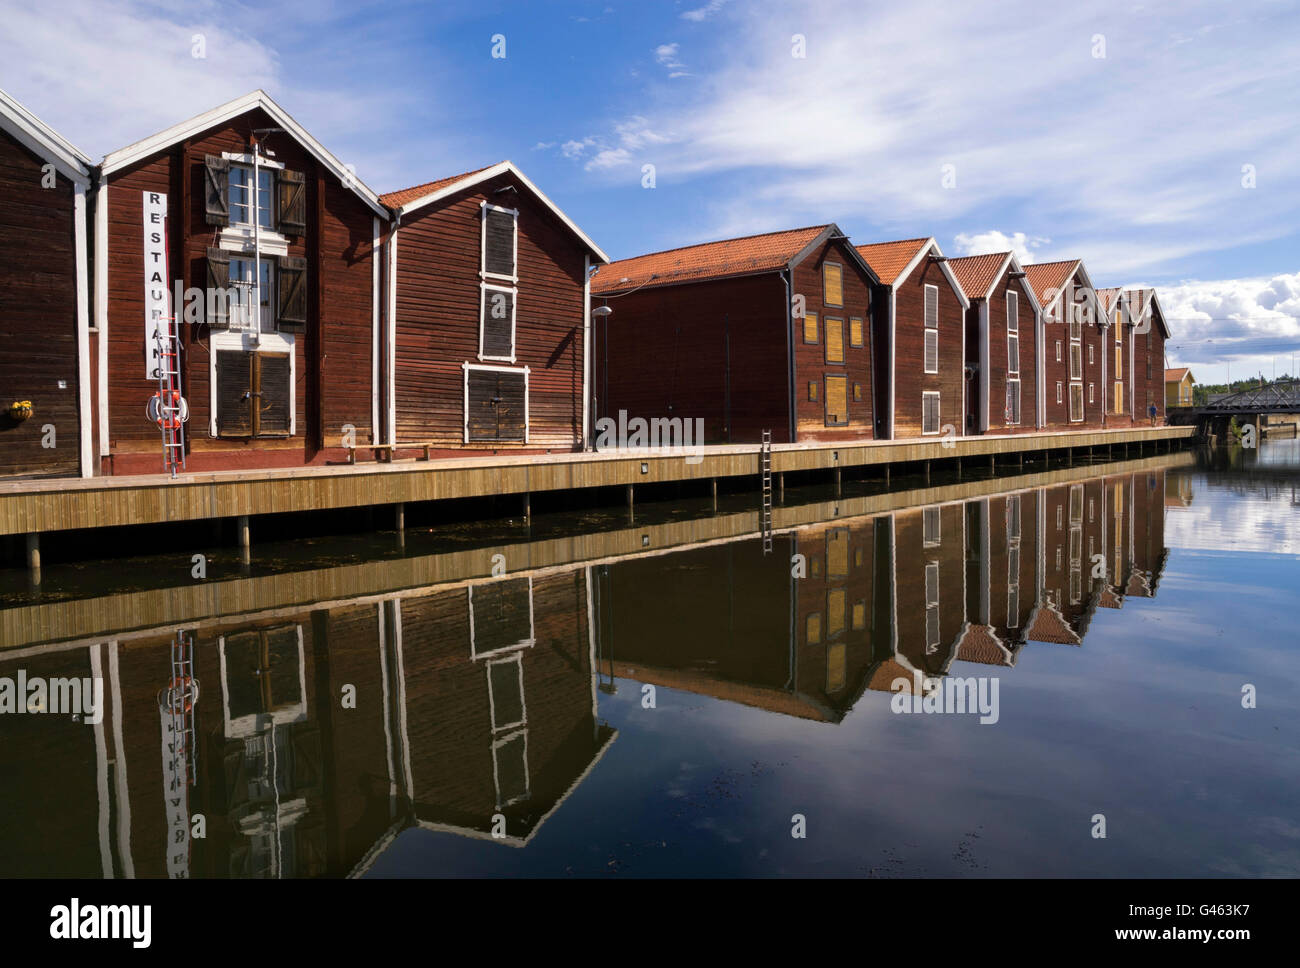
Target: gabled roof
412, 199
42, 140
1050, 277
749, 255
1142, 301
1176, 374
129, 155
891, 261
1108, 298
978, 274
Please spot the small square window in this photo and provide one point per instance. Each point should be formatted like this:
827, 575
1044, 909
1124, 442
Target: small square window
812, 391
857, 392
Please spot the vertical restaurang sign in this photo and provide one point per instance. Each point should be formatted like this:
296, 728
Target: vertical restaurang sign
155, 279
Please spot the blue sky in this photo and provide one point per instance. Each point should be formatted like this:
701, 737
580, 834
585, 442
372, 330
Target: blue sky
1135, 161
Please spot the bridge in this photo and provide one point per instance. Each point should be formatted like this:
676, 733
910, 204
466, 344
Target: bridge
1248, 406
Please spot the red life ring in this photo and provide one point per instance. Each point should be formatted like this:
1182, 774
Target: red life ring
180, 695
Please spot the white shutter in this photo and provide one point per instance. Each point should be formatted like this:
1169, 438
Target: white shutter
931, 351
932, 306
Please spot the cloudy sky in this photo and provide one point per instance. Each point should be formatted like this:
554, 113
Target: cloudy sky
1156, 141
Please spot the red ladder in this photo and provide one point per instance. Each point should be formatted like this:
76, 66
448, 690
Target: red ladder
169, 412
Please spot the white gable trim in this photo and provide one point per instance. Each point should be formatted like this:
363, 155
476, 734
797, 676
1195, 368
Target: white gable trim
469, 181
924, 251
131, 154
42, 140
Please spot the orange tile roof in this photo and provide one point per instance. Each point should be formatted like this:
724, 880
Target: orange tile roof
979, 643
1043, 276
977, 273
1176, 374
709, 260
1108, 297
399, 198
889, 259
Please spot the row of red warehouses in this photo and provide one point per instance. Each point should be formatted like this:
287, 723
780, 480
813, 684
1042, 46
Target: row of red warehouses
469, 314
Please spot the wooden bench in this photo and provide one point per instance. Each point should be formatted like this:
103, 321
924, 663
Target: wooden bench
390, 449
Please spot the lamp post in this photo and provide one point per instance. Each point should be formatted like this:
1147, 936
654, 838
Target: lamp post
604, 312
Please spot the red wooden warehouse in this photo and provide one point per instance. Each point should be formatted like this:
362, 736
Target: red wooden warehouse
1074, 344
919, 327
1003, 345
1149, 333
274, 245
766, 332
488, 335
44, 389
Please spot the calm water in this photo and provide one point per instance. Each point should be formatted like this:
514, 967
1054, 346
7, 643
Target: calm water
665, 696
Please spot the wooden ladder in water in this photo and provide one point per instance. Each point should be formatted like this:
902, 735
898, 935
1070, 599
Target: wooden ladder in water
766, 464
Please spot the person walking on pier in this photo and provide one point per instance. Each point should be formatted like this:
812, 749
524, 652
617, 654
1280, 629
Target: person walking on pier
1151, 412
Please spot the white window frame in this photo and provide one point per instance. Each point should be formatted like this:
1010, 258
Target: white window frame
1013, 330
1082, 405
1059, 398
515, 659
925, 351
244, 727
1015, 381
238, 236
484, 208
522, 644
1058, 351
1092, 394
272, 287
465, 368
938, 417
483, 288
253, 343
931, 537
496, 772
932, 607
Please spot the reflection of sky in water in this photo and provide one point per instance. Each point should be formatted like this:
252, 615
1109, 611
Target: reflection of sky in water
1143, 724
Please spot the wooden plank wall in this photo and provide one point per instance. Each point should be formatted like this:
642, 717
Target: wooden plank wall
810, 359
998, 368
668, 356
342, 307
909, 356
38, 318
438, 259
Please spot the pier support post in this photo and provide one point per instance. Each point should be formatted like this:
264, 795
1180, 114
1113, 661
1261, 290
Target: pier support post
399, 517
34, 557
886, 475
528, 507
713, 487
780, 488
1069, 457
927, 472
1021, 461
927, 476
993, 463
629, 496
241, 532
837, 482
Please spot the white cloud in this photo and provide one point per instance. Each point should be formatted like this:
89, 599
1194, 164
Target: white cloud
984, 243
1111, 159
1248, 323
575, 149
699, 14
543, 145
666, 54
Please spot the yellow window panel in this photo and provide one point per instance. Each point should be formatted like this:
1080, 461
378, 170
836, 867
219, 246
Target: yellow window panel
836, 667
855, 331
859, 615
813, 627
834, 340
832, 284
837, 402
837, 554
837, 600
810, 328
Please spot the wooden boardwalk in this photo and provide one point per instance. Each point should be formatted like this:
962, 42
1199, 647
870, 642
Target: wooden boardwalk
36, 507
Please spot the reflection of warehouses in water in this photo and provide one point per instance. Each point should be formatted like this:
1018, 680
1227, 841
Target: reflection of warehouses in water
470, 702
894, 596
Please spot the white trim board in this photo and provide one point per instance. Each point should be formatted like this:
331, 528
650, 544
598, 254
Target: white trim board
43, 141
124, 157
501, 168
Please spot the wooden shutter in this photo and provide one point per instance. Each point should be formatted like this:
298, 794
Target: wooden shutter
482, 416
511, 409
932, 306
498, 324
855, 331
837, 611
502, 611
218, 287
291, 203
837, 405
273, 412
499, 242
810, 328
837, 554
234, 384
930, 413
216, 190
834, 340
291, 289
931, 351
832, 284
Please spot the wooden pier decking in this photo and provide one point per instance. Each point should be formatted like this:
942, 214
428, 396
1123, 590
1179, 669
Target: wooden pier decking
37, 507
